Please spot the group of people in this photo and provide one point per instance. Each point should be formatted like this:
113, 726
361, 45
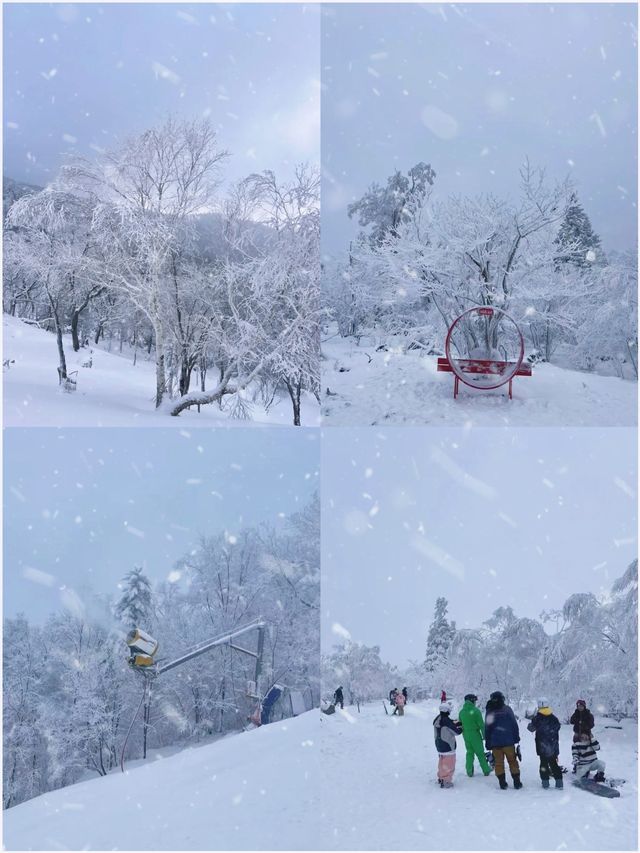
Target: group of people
496, 738
398, 698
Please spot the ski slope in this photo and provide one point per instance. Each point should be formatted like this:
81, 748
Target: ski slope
380, 793
254, 791
363, 387
112, 392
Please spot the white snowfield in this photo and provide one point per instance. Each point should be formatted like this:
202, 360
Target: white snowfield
363, 387
254, 791
112, 392
380, 791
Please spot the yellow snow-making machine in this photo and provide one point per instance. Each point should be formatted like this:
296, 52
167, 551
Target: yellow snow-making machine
142, 649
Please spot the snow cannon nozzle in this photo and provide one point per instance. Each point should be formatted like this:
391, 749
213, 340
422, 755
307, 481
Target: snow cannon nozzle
143, 648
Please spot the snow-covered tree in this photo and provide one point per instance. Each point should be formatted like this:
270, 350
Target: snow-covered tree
134, 608
360, 671
50, 243
439, 638
384, 208
577, 243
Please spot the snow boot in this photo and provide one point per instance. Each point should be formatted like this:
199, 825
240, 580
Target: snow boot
545, 783
599, 777
503, 782
517, 784
441, 783
447, 784
559, 783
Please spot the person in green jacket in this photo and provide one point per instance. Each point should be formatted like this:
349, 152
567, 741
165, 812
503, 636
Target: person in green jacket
473, 734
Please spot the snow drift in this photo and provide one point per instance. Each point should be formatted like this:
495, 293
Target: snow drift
257, 790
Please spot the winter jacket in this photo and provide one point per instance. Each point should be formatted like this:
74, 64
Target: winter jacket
392, 697
338, 697
405, 693
471, 720
582, 721
444, 732
399, 700
500, 726
584, 754
546, 727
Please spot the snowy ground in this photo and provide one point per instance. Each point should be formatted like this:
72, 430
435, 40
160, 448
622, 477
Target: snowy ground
111, 393
254, 791
345, 782
379, 791
368, 388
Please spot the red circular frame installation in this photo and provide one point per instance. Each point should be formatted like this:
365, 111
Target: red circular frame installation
513, 366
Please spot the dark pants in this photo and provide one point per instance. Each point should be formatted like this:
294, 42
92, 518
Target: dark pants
549, 767
339, 702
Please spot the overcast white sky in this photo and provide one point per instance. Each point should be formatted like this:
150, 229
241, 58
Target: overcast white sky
473, 90
80, 76
484, 517
82, 507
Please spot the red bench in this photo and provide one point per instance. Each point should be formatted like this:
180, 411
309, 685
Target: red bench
485, 367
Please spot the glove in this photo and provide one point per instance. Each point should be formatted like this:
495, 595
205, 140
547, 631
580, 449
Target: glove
518, 753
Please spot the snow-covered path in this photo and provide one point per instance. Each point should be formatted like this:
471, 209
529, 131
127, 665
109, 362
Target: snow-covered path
379, 792
111, 393
254, 791
363, 387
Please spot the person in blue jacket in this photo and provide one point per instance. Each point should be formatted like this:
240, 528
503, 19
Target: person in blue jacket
501, 736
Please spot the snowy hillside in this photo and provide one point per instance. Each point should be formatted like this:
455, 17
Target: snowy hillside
361, 386
113, 392
257, 790
380, 791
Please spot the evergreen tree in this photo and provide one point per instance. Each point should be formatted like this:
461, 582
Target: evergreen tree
134, 606
440, 637
577, 242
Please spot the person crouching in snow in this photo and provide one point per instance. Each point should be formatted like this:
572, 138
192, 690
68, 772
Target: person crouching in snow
399, 704
501, 734
546, 727
445, 730
585, 760
473, 734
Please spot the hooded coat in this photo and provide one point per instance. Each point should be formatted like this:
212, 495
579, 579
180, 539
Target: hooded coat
444, 732
546, 726
500, 725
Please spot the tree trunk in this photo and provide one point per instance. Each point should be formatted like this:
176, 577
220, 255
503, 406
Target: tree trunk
75, 317
99, 332
62, 368
161, 382
185, 373
295, 391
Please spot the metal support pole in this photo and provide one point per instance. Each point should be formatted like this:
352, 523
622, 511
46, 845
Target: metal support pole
146, 716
